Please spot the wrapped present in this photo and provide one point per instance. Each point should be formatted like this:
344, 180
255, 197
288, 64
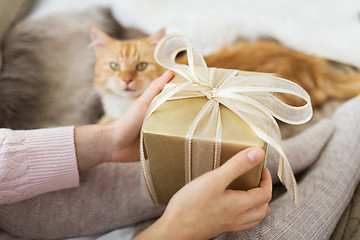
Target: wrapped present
204, 116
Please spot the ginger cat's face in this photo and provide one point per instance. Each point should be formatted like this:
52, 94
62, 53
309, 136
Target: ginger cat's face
125, 67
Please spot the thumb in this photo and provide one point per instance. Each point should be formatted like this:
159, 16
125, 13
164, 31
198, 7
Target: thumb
155, 87
239, 164
136, 113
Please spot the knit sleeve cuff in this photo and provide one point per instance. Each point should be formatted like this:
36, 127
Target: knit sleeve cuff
52, 158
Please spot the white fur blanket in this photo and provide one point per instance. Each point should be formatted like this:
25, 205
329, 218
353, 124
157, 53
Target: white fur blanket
325, 28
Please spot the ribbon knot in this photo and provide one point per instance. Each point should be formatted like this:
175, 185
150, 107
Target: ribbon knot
211, 93
249, 95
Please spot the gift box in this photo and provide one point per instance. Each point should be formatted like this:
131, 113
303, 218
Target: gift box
164, 138
204, 116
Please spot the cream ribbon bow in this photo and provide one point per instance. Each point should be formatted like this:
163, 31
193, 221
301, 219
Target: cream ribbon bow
249, 95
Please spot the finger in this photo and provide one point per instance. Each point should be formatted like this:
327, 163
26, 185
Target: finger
239, 164
155, 87
263, 193
134, 116
268, 211
254, 214
265, 181
245, 227
251, 218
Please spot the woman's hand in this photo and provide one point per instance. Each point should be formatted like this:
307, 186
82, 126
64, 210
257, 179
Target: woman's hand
127, 128
204, 208
117, 141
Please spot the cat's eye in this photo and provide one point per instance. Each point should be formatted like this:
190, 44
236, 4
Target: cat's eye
114, 66
141, 66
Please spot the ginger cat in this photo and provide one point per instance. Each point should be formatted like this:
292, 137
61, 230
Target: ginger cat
123, 70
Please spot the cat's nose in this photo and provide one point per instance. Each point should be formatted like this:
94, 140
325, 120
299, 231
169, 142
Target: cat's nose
127, 80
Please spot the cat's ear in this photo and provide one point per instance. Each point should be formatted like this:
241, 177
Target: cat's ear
155, 38
99, 40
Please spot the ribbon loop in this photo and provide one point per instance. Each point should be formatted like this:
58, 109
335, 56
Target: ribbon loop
248, 95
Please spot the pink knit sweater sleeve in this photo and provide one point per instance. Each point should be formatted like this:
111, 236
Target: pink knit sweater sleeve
36, 161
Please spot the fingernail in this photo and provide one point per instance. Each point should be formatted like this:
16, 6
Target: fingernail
254, 155
167, 72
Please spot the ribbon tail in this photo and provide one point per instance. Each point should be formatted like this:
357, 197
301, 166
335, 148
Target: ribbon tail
218, 138
287, 178
285, 172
